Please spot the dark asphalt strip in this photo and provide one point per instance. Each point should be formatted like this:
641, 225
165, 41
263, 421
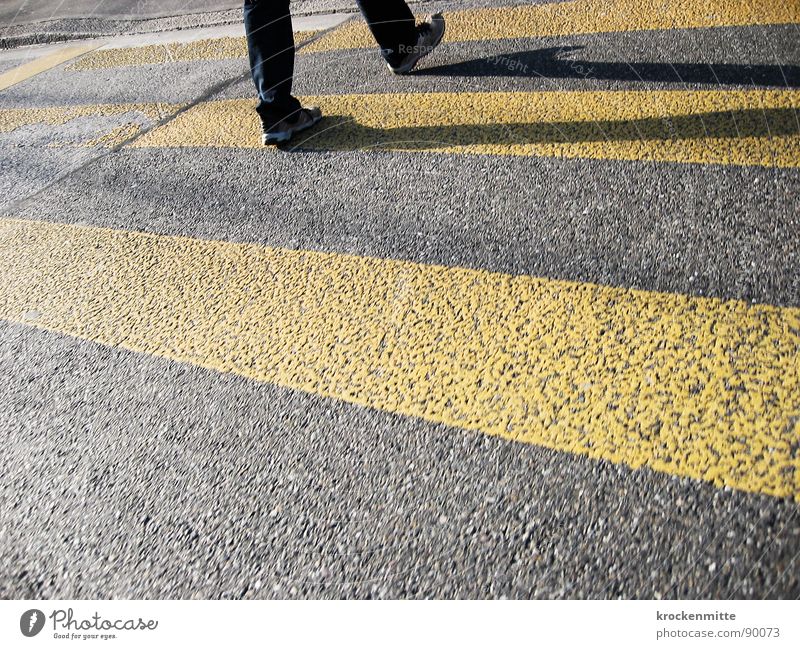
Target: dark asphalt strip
729, 232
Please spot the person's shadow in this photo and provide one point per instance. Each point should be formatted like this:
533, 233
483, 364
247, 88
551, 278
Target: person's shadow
546, 63
339, 132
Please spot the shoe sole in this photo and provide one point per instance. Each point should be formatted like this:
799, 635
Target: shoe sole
285, 136
408, 67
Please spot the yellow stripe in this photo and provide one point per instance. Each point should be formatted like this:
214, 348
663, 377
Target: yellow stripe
585, 17
32, 68
13, 118
129, 123
208, 49
694, 387
753, 127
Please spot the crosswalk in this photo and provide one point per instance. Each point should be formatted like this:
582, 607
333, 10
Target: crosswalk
716, 127
752, 127
584, 17
205, 49
701, 388
527, 21
694, 387
42, 63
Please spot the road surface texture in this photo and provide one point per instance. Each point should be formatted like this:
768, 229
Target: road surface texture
525, 323
23, 22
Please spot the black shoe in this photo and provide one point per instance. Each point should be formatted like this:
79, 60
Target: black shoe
283, 131
430, 34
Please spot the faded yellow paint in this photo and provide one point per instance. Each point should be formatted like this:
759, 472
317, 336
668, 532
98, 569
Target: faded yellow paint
737, 127
206, 49
13, 118
729, 127
584, 17
43, 63
695, 387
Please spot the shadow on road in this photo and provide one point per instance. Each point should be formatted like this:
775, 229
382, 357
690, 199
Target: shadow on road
342, 133
547, 64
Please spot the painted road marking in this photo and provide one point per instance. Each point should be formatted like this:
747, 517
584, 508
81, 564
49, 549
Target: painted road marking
130, 123
208, 49
585, 17
32, 68
736, 127
690, 386
563, 18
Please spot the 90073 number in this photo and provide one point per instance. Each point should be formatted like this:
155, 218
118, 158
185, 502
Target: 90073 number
761, 632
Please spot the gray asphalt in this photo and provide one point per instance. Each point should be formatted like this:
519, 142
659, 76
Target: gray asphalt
23, 11
695, 231
134, 476
25, 22
240, 489
14, 12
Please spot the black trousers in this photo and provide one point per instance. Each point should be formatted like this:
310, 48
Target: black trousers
270, 43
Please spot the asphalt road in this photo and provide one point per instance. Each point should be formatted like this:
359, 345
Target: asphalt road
27, 22
153, 453
16, 12
22, 11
